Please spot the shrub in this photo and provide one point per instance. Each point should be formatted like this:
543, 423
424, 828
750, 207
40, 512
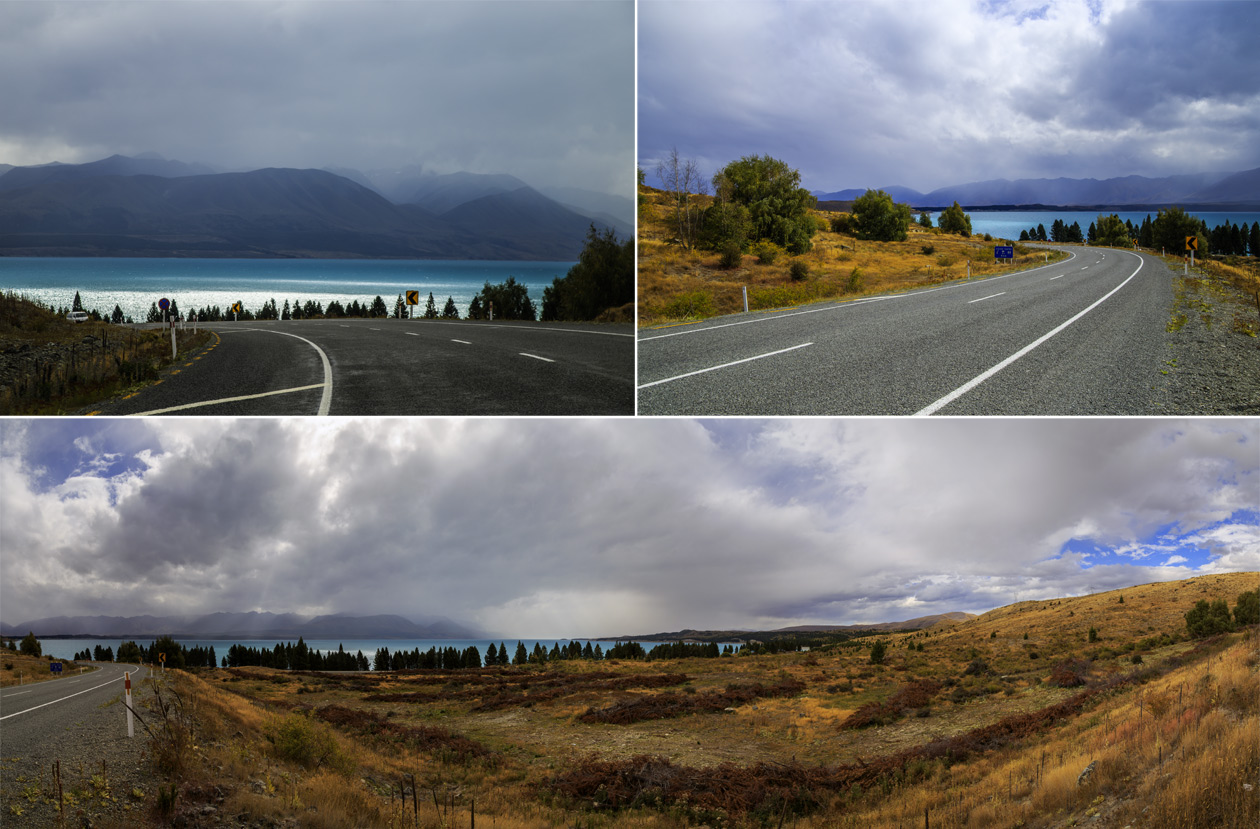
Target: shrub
767, 252
854, 284
731, 256
798, 270
842, 223
689, 305
299, 740
928, 250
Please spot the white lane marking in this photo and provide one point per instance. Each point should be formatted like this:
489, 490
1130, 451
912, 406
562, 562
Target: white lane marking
853, 303
983, 298
325, 399
18, 694
226, 400
62, 699
374, 329
1051, 279
540, 329
411, 333
724, 365
980, 378
536, 357
465, 342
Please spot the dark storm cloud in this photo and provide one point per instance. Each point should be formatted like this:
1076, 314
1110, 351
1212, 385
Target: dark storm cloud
611, 527
542, 90
872, 94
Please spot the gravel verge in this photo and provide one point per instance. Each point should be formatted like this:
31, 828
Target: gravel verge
1212, 368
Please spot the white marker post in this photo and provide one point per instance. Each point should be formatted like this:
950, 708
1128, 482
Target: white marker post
131, 726
172, 340
745, 299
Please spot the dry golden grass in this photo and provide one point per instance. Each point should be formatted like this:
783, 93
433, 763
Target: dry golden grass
677, 284
1179, 741
20, 669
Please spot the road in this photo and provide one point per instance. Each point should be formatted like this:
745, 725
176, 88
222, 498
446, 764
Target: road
37, 719
398, 367
1084, 336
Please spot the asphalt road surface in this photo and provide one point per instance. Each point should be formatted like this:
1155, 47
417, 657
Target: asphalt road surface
36, 718
398, 367
1084, 336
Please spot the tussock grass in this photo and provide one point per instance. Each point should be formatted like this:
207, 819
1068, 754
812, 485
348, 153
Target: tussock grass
678, 284
980, 736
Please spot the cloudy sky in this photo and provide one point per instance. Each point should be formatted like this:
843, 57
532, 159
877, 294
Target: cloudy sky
540, 90
606, 527
930, 93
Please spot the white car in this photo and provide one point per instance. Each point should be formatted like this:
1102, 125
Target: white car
78, 316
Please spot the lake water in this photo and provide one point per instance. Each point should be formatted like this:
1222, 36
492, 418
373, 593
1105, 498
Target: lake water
135, 284
1007, 224
67, 648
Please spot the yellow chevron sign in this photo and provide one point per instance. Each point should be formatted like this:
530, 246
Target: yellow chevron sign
413, 297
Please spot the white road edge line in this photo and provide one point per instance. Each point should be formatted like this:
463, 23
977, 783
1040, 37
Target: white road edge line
62, 699
536, 357
980, 378
226, 400
983, 298
724, 365
856, 302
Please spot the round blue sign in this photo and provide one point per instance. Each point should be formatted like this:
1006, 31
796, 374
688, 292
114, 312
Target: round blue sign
164, 303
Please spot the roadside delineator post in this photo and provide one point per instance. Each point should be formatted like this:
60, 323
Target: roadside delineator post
131, 726
745, 299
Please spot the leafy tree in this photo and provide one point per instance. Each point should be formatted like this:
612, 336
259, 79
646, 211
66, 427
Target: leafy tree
450, 312
1111, 231
1247, 611
1208, 619
954, 220
509, 300
30, 645
1171, 227
680, 178
430, 308
129, 652
725, 223
925, 220
878, 218
603, 278
778, 207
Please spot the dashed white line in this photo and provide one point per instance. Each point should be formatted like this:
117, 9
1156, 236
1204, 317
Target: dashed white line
1051, 279
980, 378
411, 333
464, 342
536, 357
983, 298
725, 365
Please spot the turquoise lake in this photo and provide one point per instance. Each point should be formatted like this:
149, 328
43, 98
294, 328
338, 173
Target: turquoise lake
135, 284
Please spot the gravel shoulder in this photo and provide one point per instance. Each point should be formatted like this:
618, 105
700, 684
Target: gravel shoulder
1213, 366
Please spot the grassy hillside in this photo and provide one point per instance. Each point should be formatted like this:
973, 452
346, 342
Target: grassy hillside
677, 284
979, 723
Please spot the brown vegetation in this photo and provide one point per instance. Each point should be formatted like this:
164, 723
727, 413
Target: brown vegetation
992, 742
676, 283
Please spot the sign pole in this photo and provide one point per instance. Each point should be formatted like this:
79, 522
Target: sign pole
131, 726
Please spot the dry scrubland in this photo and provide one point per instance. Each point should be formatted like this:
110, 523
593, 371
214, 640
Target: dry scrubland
991, 723
678, 284
51, 366
20, 669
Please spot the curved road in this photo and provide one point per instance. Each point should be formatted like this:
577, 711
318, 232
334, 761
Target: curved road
36, 719
1085, 336
398, 367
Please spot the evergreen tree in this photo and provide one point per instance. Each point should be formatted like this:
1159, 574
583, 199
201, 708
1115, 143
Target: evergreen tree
400, 308
954, 220
509, 301
450, 312
492, 655
378, 308
1208, 619
878, 218
78, 303
878, 650
522, 655
1247, 611
155, 315
30, 645
284, 313
475, 311
430, 308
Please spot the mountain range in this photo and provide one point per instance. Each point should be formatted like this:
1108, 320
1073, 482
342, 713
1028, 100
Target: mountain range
151, 206
918, 623
1223, 190
252, 625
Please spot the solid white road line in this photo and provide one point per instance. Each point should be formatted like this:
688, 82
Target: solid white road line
983, 298
226, 400
62, 699
724, 365
325, 399
980, 378
536, 357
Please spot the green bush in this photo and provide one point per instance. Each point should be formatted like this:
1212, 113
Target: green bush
310, 744
798, 270
855, 281
928, 250
767, 252
842, 223
731, 256
689, 305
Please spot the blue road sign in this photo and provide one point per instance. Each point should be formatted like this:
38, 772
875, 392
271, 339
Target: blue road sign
1003, 251
164, 303
55, 667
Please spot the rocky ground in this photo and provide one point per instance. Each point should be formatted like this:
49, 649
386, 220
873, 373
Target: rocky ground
1213, 367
